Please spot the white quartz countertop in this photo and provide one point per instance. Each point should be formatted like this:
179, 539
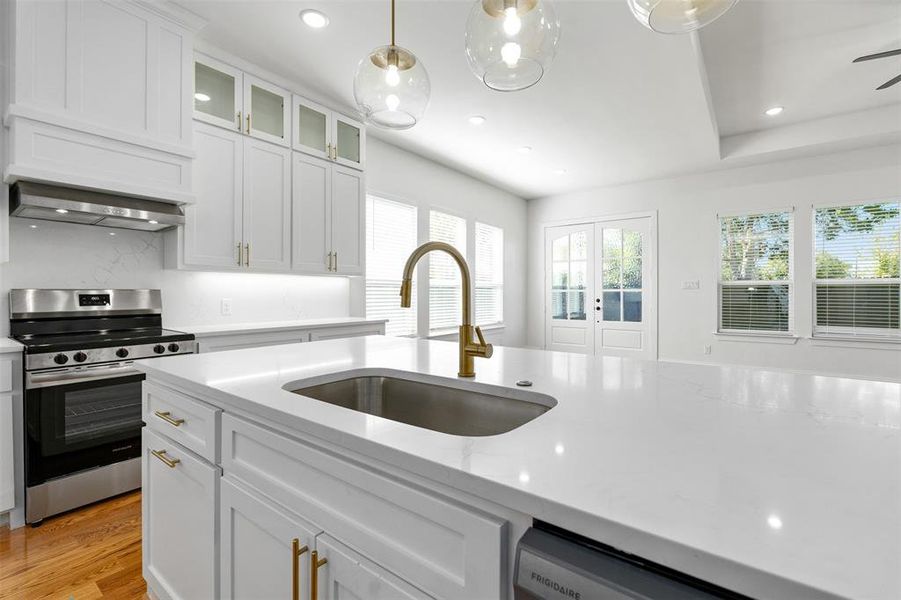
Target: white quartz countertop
269, 326
8, 345
773, 484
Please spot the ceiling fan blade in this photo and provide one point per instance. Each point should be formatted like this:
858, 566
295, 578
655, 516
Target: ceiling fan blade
889, 83
878, 55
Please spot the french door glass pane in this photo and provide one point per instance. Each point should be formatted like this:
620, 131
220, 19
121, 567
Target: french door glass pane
311, 126
579, 246
632, 273
268, 115
560, 276
569, 276
632, 307
578, 274
348, 142
612, 304
558, 305
576, 306
560, 249
611, 275
214, 92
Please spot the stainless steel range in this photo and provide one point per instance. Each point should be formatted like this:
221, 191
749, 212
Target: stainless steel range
83, 392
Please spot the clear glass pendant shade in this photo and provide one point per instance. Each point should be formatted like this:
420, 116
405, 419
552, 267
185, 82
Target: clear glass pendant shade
678, 16
510, 43
392, 88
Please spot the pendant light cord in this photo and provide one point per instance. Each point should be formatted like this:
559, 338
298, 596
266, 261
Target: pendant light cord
392, 23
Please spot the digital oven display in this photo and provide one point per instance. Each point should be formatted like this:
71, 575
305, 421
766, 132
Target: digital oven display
93, 299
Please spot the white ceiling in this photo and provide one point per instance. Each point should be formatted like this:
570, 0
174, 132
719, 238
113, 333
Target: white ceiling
620, 103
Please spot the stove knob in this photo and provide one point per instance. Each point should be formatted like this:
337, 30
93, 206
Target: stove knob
159, 348
122, 352
173, 347
60, 359
80, 357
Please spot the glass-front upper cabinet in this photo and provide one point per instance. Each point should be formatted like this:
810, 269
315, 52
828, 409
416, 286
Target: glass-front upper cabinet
348, 139
267, 111
324, 133
311, 128
217, 93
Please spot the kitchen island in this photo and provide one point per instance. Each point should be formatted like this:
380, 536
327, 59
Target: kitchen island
769, 484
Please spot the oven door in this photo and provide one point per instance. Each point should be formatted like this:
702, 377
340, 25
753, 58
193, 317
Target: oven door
81, 418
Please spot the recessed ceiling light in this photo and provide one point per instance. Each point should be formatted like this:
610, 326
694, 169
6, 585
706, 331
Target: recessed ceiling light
524, 149
774, 521
313, 18
559, 171
772, 112
112, 233
61, 211
152, 222
477, 120
33, 226
201, 97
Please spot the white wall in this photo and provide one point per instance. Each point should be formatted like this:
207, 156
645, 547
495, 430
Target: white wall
400, 175
66, 255
687, 243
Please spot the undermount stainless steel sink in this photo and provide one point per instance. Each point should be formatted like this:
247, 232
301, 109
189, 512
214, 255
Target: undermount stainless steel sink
452, 410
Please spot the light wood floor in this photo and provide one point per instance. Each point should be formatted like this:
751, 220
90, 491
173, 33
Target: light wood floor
93, 552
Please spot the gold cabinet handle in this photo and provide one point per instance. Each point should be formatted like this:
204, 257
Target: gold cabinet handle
239, 120
247, 255
248, 123
296, 552
336, 261
328, 262
240, 254
161, 454
166, 416
315, 563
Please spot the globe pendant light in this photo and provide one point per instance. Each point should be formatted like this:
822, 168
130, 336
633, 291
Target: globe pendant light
391, 86
510, 43
678, 16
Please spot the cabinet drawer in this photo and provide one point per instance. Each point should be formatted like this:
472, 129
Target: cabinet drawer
179, 499
334, 333
440, 546
189, 422
6, 375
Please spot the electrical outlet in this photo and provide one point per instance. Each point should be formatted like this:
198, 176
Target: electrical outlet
691, 285
225, 307
708, 349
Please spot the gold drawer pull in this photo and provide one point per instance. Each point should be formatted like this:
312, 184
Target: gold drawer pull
296, 552
315, 563
166, 416
161, 454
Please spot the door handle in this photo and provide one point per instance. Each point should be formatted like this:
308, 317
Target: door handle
239, 120
336, 262
161, 454
247, 255
240, 254
315, 563
248, 123
296, 552
166, 416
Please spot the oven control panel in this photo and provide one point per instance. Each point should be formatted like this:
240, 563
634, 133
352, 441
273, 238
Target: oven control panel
93, 299
49, 360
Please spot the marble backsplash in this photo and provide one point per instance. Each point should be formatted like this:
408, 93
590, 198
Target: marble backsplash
44, 254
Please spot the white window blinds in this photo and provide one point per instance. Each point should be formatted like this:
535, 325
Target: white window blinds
390, 238
755, 273
857, 285
444, 275
489, 274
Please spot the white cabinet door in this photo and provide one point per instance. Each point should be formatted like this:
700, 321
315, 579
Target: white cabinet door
7, 464
348, 141
179, 502
346, 575
267, 206
312, 128
267, 111
265, 551
569, 300
347, 217
218, 93
212, 231
311, 215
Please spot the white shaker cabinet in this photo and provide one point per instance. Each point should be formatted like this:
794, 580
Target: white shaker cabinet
328, 217
242, 217
327, 134
179, 501
101, 94
264, 550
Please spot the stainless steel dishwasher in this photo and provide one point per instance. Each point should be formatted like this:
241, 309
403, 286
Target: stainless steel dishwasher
555, 564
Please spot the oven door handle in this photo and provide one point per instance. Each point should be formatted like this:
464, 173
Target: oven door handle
64, 377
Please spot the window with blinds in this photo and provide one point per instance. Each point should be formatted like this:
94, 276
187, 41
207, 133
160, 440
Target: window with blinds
857, 281
489, 274
444, 275
390, 238
755, 285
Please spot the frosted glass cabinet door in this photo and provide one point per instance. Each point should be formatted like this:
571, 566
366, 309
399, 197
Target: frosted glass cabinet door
267, 111
349, 141
217, 93
311, 127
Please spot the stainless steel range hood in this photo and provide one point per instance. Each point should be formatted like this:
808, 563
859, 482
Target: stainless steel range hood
53, 203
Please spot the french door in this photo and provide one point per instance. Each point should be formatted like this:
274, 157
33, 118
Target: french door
600, 288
